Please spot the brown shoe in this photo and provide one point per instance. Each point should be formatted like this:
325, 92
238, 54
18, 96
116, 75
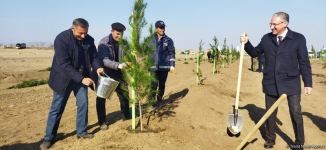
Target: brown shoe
85, 136
104, 127
45, 145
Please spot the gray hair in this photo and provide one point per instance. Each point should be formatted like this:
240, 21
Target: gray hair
80, 22
283, 15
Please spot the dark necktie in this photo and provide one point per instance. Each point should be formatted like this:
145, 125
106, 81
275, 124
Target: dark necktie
280, 38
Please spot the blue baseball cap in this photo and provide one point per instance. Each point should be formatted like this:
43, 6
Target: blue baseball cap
159, 24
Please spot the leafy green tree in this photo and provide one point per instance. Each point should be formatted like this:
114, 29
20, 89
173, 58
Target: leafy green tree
215, 53
224, 54
313, 50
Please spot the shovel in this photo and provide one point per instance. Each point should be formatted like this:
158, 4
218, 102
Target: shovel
235, 120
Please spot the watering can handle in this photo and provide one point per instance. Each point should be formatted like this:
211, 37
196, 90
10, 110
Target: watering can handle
105, 74
93, 83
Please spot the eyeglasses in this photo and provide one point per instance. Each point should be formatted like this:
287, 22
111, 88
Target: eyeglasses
275, 24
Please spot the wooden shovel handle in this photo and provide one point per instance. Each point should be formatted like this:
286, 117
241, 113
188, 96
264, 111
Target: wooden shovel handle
262, 120
239, 77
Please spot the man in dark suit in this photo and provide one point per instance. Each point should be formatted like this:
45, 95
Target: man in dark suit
75, 54
286, 58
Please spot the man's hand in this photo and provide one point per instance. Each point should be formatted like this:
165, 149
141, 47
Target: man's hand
88, 81
244, 38
129, 64
307, 90
99, 71
172, 69
124, 65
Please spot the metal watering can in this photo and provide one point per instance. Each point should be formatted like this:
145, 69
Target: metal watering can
106, 86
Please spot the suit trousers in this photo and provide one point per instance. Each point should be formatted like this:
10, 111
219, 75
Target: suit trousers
295, 114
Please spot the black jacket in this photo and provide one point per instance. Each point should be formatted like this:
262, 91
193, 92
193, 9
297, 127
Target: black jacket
65, 64
164, 54
284, 63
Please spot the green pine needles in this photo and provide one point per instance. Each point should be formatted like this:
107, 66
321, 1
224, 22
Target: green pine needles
215, 53
138, 54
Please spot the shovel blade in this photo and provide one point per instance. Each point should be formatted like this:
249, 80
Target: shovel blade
235, 123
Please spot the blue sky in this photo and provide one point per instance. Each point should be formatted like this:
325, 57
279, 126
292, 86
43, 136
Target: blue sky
187, 22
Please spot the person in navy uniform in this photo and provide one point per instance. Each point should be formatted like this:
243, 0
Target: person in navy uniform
164, 60
286, 58
111, 56
74, 56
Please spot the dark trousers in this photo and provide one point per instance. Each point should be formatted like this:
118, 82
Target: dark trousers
295, 113
159, 84
124, 105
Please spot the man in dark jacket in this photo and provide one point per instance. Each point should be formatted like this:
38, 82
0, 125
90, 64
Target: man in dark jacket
164, 60
111, 56
286, 58
75, 55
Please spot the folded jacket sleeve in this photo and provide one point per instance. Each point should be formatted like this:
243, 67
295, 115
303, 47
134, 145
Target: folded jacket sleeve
104, 54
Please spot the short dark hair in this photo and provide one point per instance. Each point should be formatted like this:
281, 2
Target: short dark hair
80, 22
283, 16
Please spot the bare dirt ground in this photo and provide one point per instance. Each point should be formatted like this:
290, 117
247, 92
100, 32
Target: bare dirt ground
194, 117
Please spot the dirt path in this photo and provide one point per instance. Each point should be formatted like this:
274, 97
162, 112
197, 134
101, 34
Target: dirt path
194, 117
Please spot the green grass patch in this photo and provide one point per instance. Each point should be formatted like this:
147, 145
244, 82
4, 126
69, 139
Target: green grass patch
29, 83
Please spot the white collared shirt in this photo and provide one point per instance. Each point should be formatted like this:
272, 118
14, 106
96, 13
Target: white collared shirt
283, 34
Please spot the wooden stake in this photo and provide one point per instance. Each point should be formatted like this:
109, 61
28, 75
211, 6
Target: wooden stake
133, 110
140, 116
262, 120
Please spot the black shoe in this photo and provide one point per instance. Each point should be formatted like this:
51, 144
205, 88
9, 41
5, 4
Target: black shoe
85, 136
126, 116
297, 146
269, 144
104, 127
45, 145
158, 104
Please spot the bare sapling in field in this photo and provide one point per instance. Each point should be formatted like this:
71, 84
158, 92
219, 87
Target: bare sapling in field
199, 57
